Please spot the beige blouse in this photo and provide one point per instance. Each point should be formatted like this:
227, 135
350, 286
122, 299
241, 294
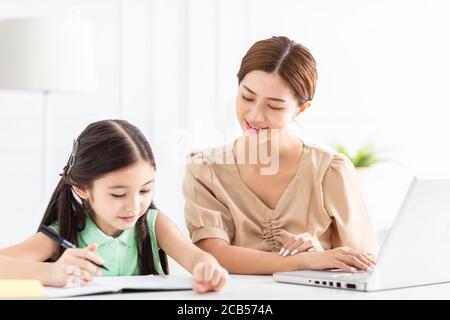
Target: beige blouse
323, 199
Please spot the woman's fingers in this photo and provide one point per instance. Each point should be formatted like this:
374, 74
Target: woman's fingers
366, 261
362, 257
345, 267
368, 257
284, 249
300, 243
371, 257
293, 243
307, 245
287, 246
354, 261
293, 247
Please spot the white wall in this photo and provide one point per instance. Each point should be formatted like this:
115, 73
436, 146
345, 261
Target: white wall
170, 67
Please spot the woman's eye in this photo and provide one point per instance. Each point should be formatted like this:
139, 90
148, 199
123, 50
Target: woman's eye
273, 108
118, 195
247, 99
145, 191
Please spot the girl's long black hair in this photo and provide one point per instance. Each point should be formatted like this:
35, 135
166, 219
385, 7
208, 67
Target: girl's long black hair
103, 147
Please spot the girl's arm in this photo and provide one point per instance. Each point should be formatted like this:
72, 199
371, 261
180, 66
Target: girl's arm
208, 274
39, 247
25, 261
242, 260
172, 241
12, 268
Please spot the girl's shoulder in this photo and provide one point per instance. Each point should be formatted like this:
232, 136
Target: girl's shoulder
151, 214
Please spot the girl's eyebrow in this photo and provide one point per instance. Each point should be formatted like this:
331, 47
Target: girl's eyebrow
126, 187
268, 98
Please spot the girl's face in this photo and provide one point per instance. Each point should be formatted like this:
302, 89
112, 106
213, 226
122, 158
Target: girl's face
119, 198
265, 105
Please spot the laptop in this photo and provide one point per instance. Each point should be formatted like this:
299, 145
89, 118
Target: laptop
416, 250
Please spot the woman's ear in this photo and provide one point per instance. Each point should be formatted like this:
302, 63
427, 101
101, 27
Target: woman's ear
303, 107
80, 192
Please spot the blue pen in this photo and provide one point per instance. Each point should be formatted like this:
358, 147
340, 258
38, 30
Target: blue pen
52, 234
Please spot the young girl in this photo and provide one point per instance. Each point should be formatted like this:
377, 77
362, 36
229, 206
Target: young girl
103, 204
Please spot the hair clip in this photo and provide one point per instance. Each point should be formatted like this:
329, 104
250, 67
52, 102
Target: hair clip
73, 155
76, 196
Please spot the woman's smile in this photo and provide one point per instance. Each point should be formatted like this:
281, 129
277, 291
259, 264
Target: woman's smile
253, 128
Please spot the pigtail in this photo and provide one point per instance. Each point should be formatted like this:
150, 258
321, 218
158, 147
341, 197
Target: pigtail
66, 211
145, 253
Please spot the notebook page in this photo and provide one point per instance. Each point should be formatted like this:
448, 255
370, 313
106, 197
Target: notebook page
92, 288
116, 284
148, 282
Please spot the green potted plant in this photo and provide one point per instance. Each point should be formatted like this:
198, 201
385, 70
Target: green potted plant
363, 158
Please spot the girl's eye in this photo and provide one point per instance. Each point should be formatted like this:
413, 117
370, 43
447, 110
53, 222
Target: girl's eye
247, 99
118, 195
145, 191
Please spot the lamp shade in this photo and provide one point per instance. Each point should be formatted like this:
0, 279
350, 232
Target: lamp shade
47, 54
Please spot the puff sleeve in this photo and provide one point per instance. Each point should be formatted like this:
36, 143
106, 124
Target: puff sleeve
205, 215
345, 205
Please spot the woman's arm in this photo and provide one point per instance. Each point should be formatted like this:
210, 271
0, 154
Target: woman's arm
250, 261
242, 260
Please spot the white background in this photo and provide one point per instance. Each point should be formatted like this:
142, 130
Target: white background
169, 67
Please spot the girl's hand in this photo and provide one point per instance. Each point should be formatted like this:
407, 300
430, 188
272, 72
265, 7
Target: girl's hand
300, 243
346, 259
209, 276
75, 267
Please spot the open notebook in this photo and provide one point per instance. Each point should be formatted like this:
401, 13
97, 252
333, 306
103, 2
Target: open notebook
124, 283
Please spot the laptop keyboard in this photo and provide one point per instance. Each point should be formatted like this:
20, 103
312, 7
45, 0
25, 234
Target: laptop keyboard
353, 275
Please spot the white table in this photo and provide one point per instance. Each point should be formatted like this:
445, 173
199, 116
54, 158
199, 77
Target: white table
241, 287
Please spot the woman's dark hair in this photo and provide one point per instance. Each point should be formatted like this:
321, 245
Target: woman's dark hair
103, 147
292, 61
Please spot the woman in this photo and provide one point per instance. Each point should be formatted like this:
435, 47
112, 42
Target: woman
268, 202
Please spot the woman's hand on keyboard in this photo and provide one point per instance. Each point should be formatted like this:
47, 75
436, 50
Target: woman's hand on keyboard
344, 258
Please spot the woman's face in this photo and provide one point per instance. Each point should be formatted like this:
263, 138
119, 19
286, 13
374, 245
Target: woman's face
265, 105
